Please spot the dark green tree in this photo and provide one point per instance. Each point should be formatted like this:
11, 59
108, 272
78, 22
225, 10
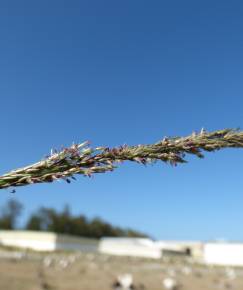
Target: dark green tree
48, 219
34, 223
9, 214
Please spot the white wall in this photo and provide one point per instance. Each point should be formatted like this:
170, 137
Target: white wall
195, 247
28, 239
46, 241
223, 254
135, 247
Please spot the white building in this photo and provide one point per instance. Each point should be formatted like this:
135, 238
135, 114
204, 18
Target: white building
190, 248
226, 254
213, 253
137, 247
46, 241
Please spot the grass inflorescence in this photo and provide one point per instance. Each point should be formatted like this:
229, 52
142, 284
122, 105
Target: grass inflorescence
85, 160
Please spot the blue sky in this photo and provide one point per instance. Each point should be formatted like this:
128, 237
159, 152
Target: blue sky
117, 72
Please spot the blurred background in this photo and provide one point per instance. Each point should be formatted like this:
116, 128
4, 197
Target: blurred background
123, 72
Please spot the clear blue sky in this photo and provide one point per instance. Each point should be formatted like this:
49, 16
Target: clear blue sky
117, 72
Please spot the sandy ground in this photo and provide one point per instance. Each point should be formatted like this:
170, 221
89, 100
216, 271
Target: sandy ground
88, 271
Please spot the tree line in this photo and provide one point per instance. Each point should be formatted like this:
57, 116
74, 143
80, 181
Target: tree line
63, 222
